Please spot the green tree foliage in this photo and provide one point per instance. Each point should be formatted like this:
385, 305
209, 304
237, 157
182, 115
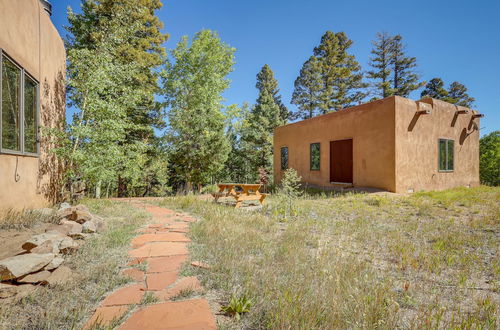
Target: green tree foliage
259, 124
381, 63
455, 94
435, 89
139, 42
405, 78
101, 89
307, 92
193, 83
266, 81
489, 161
334, 80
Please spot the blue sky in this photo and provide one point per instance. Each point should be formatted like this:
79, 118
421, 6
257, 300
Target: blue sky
455, 40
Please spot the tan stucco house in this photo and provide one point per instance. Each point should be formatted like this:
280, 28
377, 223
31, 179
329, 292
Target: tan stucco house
32, 96
394, 144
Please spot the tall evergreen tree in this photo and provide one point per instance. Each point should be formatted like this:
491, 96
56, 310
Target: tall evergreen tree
457, 94
333, 80
308, 85
435, 89
341, 73
193, 85
382, 65
267, 81
405, 78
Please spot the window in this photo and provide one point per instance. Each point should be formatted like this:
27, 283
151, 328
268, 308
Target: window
18, 109
315, 156
284, 158
446, 155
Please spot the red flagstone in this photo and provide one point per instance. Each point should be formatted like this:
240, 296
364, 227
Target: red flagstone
165, 264
180, 230
136, 261
127, 295
186, 283
160, 281
178, 225
104, 316
159, 249
160, 237
189, 314
134, 273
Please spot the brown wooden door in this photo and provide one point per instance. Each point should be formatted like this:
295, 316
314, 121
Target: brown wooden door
341, 161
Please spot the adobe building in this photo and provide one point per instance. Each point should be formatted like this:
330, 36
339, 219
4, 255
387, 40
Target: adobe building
32, 97
394, 144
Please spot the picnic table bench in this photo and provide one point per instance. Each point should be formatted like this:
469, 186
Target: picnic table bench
250, 192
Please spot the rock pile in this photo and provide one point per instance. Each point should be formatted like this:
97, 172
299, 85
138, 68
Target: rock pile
41, 261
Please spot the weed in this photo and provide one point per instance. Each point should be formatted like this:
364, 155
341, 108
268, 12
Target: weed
237, 306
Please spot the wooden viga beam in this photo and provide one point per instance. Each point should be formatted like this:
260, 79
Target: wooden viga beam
424, 108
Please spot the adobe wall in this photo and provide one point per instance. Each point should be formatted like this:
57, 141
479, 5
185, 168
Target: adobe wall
371, 126
29, 37
417, 146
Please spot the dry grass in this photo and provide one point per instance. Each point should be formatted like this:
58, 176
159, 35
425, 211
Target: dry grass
21, 219
97, 270
429, 260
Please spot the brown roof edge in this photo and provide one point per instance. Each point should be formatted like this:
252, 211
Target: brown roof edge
433, 101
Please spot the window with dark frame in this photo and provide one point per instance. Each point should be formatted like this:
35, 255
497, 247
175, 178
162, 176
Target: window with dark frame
315, 159
446, 155
19, 109
284, 158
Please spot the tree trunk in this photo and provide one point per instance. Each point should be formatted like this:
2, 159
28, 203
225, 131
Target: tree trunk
98, 189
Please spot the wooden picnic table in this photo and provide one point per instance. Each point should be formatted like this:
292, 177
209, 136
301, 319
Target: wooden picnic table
250, 192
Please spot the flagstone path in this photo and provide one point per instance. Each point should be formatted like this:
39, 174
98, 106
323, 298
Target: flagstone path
162, 247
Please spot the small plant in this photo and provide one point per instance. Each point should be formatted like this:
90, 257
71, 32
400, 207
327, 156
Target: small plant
237, 306
149, 298
287, 195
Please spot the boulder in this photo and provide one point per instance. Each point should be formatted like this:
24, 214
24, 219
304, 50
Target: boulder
89, 227
35, 278
65, 213
75, 229
56, 262
81, 207
40, 239
15, 267
50, 246
64, 206
60, 276
7, 290
80, 216
68, 245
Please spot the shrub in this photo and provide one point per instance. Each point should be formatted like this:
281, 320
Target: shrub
288, 192
489, 159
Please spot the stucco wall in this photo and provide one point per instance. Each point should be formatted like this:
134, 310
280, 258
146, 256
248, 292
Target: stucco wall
29, 37
371, 126
417, 146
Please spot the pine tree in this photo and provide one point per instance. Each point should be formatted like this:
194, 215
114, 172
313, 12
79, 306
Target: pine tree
405, 78
435, 89
330, 82
457, 94
307, 90
341, 73
266, 81
382, 65
193, 85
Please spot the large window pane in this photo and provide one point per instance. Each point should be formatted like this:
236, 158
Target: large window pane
442, 155
449, 155
30, 115
315, 156
284, 158
11, 130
